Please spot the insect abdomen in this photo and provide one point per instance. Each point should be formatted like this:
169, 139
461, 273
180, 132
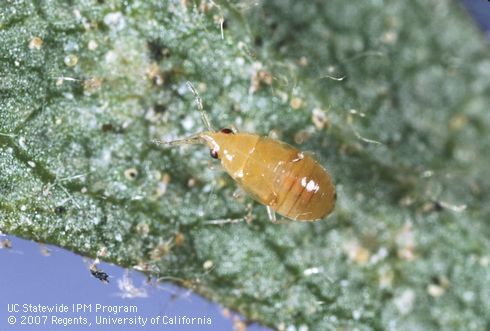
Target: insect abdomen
306, 189
292, 183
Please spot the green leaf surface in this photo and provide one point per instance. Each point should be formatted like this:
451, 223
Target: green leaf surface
391, 96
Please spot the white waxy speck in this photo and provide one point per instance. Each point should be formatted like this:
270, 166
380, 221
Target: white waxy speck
110, 57
303, 181
208, 264
68, 95
22, 143
380, 255
240, 61
92, 45
356, 112
71, 46
188, 123
435, 290
77, 14
239, 173
115, 21
31, 164
312, 271
182, 88
312, 186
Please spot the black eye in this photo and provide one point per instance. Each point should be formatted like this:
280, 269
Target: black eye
213, 153
226, 130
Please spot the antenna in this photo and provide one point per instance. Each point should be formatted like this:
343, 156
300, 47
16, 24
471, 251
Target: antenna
204, 115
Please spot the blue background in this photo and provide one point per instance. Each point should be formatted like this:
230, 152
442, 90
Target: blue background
29, 277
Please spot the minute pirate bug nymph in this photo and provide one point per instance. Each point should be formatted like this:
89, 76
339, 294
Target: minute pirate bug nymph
279, 176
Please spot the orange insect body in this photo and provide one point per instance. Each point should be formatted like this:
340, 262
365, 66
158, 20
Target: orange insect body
275, 174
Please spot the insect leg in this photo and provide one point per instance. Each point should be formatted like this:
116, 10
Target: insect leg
272, 217
225, 221
248, 218
192, 140
272, 214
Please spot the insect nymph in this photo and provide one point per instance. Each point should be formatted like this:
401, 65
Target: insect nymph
279, 176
